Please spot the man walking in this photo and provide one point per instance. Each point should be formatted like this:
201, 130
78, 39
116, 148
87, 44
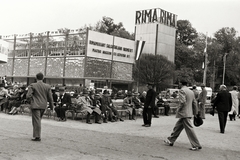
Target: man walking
149, 106
39, 93
185, 111
223, 102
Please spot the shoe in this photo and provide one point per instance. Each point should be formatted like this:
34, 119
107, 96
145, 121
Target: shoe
121, 119
195, 148
36, 139
148, 125
112, 120
89, 122
168, 143
156, 116
64, 120
98, 122
144, 125
105, 122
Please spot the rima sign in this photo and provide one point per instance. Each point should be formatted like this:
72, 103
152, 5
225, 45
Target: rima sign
156, 15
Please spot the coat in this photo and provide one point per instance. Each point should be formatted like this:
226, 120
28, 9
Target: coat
235, 102
65, 99
39, 94
188, 105
223, 101
150, 99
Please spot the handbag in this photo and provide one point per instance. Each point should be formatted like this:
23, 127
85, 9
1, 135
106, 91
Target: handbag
197, 120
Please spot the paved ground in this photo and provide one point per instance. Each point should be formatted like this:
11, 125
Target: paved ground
74, 140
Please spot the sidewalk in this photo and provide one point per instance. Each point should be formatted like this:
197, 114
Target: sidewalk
208, 134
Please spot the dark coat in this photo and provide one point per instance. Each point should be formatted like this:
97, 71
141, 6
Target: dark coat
66, 99
223, 101
150, 99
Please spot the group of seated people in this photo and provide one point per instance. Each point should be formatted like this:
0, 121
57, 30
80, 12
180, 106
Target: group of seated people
88, 102
12, 101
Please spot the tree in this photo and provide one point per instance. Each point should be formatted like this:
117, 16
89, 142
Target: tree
153, 68
186, 34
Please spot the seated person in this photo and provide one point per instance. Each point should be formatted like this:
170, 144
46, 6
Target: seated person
137, 102
63, 103
95, 102
85, 105
107, 105
3, 96
162, 102
16, 100
129, 105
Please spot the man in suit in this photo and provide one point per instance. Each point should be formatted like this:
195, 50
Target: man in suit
64, 101
149, 106
185, 111
202, 100
39, 93
223, 103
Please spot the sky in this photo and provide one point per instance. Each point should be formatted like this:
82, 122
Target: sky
36, 16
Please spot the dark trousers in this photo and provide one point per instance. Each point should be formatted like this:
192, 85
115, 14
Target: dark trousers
147, 115
60, 112
166, 109
133, 114
222, 117
36, 122
155, 111
106, 116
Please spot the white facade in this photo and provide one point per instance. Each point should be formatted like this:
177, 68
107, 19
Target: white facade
157, 34
4, 49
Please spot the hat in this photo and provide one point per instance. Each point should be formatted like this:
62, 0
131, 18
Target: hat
183, 81
105, 92
202, 85
197, 121
136, 93
85, 91
61, 89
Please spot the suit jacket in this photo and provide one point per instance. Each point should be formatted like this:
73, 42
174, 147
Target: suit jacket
223, 101
150, 99
66, 99
188, 104
40, 93
203, 96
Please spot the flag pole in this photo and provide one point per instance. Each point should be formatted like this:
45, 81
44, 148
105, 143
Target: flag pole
205, 63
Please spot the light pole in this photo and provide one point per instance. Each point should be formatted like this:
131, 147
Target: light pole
224, 66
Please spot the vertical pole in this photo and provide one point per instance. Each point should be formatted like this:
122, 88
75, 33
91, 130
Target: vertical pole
29, 58
205, 63
64, 58
156, 40
110, 86
224, 67
214, 72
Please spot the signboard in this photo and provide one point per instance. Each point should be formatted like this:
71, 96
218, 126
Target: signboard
109, 47
3, 51
156, 15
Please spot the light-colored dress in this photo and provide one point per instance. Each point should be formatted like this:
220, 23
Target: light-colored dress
235, 102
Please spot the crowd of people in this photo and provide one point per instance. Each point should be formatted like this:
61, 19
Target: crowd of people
100, 105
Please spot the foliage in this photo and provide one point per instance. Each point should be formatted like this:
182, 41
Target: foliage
153, 68
186, 34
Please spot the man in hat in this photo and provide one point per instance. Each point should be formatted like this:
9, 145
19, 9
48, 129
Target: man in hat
107, 105
39, 93
185, 112
137, 103
202, 100
223, 103
129, 105
149, 106
85, 102
63, 101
